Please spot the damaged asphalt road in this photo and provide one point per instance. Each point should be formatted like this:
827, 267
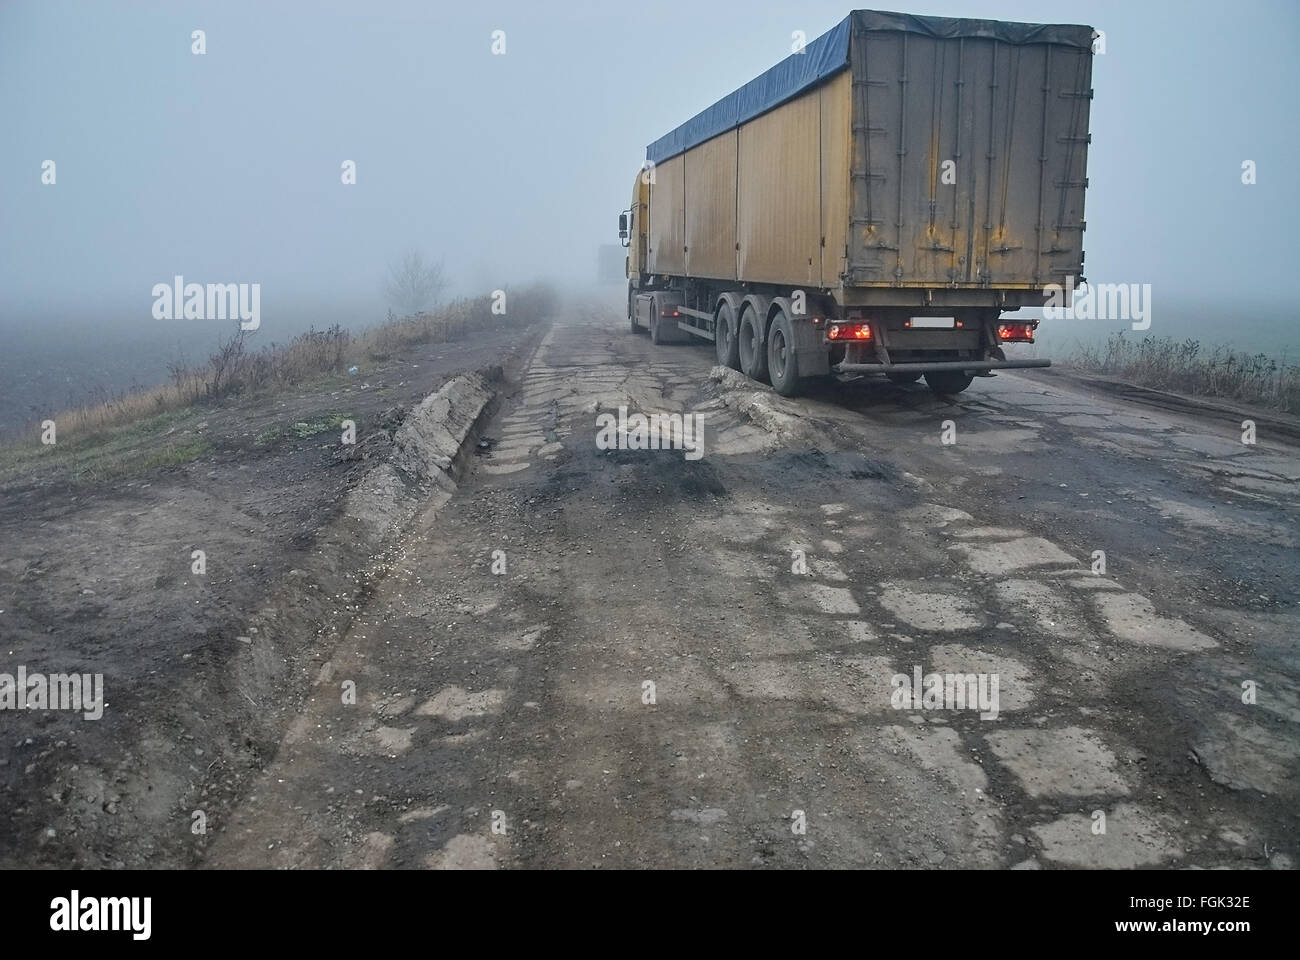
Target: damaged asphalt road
630, 658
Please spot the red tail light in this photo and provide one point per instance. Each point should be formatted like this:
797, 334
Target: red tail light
849, 331
1017, 331
669, 313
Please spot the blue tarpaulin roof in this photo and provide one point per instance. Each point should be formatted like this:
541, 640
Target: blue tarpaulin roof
829, 54
824, 56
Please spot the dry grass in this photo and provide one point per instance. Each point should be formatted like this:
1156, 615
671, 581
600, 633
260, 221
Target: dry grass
1182, 367
232, 369
398, 335
235, 370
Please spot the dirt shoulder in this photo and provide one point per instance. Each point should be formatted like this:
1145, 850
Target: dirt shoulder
1276, 423
202, 672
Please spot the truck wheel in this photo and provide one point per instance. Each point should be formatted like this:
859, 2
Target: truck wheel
631, 311
725, 341
902, 378
753, 358
782, 365
948, 381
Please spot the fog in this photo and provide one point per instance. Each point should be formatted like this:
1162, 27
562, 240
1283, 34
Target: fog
226, 166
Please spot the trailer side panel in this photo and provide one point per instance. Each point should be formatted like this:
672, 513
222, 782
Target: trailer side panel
836, 155
779, 217
711, 213
667, 227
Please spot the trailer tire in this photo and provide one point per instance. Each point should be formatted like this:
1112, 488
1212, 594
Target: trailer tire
753, 356
903, 378
725, 341
948, 381
782, 364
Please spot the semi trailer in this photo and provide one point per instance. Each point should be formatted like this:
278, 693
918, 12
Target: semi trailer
878, 202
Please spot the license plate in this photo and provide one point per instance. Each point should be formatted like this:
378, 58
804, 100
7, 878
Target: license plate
933, 323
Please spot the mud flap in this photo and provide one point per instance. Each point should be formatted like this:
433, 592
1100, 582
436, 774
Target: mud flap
667, 300
813, 356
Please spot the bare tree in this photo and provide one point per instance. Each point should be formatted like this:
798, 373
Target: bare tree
413, 285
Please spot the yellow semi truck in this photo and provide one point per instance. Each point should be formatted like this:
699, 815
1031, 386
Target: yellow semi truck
876, 202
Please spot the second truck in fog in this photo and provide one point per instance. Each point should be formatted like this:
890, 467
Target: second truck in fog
874, 203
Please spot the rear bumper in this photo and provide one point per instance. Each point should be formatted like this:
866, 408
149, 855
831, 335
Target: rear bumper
936, 365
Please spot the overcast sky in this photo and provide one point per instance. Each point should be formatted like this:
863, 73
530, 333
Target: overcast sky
226, 167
